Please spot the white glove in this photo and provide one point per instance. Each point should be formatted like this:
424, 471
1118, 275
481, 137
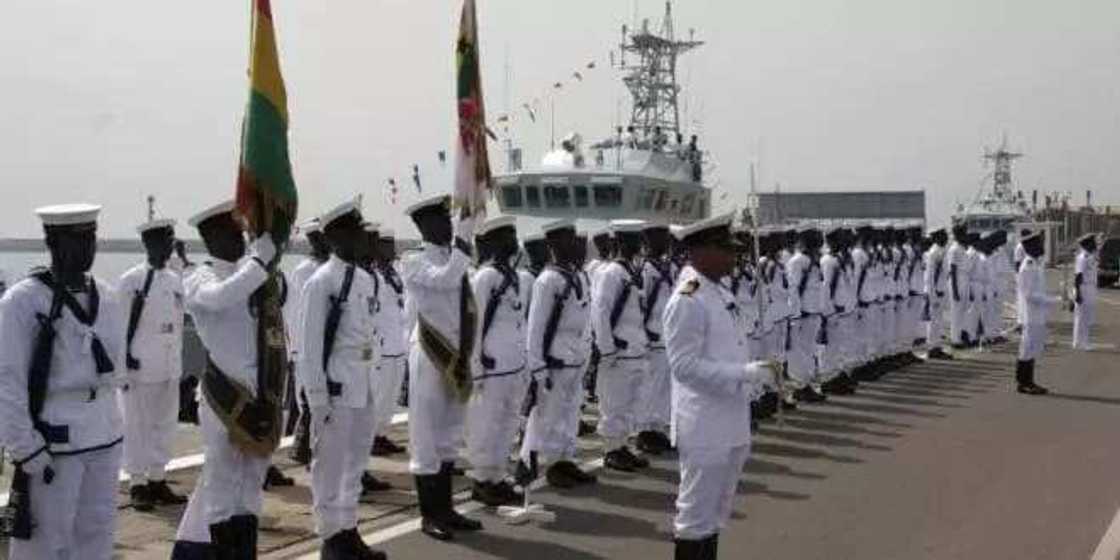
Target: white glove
464, 229
37, 465
263, 248
761, 373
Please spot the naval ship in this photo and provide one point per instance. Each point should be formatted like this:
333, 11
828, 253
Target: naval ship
998, 205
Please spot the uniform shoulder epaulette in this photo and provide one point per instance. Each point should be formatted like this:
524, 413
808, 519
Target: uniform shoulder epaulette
690, 287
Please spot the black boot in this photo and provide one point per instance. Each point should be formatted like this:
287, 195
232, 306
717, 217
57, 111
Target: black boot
688, 549
371, 484
275, 479
939, 354
711, 551
451, 517
431, 522
648, 443
141, 498
383, 447
246, 527
161, 493
336, 547
224, 541
301, 447
1024, 374
490, 494
187, 550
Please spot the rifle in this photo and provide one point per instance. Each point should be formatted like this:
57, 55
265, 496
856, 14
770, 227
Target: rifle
550, 327
508, 277
134, 313
330, 330
620, 306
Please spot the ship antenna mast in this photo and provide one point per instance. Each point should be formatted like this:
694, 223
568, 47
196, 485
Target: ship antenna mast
1002, 160
652, 79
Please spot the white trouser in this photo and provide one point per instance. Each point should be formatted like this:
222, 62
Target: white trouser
803, 349
958, 319
1084, 314
340, 453
493, 415
232, 480
709, 482
151, 412
618, 386
75, 515
435, 416
388, 376
552, 427
868, 330
889, 332
1033, 341
193, 526
935, 328
655, 397
830, 357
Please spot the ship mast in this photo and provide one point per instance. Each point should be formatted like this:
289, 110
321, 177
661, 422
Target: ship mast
652, 79
1001, 159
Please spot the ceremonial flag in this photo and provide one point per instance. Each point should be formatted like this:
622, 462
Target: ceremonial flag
472, 174
266, 192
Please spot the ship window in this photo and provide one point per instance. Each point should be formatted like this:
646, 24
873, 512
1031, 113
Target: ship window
686, 206
608, 196
581, 196
647, 199
533, 197
557, 197
511, 196
660, 204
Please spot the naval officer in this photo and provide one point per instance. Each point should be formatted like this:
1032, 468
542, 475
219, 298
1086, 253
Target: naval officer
1085, 291
154, 362
712, 381
320, 252
1035, 305
59, 415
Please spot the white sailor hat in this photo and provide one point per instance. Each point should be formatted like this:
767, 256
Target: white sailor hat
344, 209
388, 233
716, 228
558, 225
601, 231
535, 237
494, 224
215, 210
68, 214
654, 224
372, 227
163, 223
310, 226
627, 226
1086, 238
1032, 235
675, 230
934, 230
429, 202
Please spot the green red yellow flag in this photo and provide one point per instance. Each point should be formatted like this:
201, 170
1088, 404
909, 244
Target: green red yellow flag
473, 179
266, 192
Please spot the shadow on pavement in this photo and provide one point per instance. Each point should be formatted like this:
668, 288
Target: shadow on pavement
504, 547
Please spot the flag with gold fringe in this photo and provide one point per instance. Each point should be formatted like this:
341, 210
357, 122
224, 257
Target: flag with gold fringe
473, 179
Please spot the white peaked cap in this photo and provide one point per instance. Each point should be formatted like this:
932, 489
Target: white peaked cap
675, 229
155, 224
215, 210
721, 221
388, 233
601, 231
434, 200
372, 227
627, 226
494, 224
353, 205
655, 223
68, 214
310, 226
558, 225
532, 237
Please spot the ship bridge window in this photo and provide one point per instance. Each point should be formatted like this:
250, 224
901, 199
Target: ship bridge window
533, 196
511, 196
659, 205
686, 205
557, 197
647, 199
608, 196
582, 196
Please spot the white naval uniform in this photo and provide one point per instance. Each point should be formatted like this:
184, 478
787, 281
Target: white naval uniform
217, 298
391, 336
864, 331
151, 393
1036, 304
805, 286
851, 340
74, 515
297, 279
982, 281
915, 301
654, 393
553, 423
1020, 255
775, 321
342, 391
957, 257
500, 383
433, 279
976, 302
1085, 313
622, 366
936, 291
1003, 276
834, 317
712, 381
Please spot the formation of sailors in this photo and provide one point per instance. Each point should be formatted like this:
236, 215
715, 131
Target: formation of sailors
671, 330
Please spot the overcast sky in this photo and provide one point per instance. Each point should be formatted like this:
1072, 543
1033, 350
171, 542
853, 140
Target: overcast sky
110, 101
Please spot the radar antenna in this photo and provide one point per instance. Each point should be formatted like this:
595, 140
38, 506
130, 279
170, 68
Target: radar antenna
1001, 159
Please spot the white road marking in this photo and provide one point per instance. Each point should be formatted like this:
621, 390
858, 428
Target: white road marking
412, 525
1109, 547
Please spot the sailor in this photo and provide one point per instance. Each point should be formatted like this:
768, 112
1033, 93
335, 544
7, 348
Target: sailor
1035, 304
851, 341
915, 278
835, 316
775, 284
975, 290
537, 252
1002, 275
711, 380
604, 254
805, 283
63, 337
1019, 255
604, 251
154, 365
498, 363
336, 363
392, 339
959, 273
227, 497
558, 347
984, 280
658, 280
1085, 290
439, 362
865, 328
616, 317
936, 292
320, 252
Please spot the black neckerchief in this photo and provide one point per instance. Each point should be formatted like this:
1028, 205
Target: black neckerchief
391, 277
635, 275
571, 277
